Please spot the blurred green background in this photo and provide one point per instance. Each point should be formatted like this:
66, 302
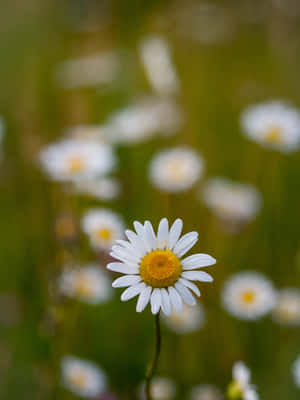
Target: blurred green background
255, 57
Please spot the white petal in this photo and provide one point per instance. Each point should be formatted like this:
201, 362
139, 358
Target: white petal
128, 246
185, 243
175, 232
125, 260
186, 295
155, 301
197, 261
126, 280
163, 233
123, 268
142, 235
175, 299
150, 235
133, 291
119, 251
190, 285
197, 276
136, 242
144, 298
165, 301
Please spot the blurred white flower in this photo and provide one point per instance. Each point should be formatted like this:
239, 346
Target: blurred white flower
156, 57
140, 121
296, 371
93, 70
275, 125
206, 392
102, 188
248, 295
176, 169
189, 320
153, 268
103, 226
76, 159
83, 378
231, 201
89, 132
287, 309
241, 387
160, 389
89, 283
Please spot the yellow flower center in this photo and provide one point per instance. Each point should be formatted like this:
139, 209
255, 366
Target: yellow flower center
104, 234
234, 391
160, 268
248, 297
76, 164
78, 379
82, 286
273, 135
176, 170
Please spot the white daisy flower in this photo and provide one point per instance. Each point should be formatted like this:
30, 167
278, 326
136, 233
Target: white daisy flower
142, 120
231, 201
241, 387
176, 169
89, 284
154, 268
100, 188
187, 321
88, 71
83, 378
155, 54
296, 371
76, 159
287, 309
160, 389
248, 295
206, 392
274, 125
103, 226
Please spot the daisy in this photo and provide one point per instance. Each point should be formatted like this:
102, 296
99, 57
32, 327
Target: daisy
287, 309
175, 170
160, 389
206, 392
240, 387
231, 201
189, 320
154, 268
76, 159
248, 295
100, 188
296, 371
90, 284
275, 125
103, 226
83, 378
155, 54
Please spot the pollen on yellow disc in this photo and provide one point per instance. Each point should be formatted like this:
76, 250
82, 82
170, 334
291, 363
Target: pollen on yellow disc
160, 268
273, 135
78, 379
248, 296
176, 170
104, 234
76, 164
234, 391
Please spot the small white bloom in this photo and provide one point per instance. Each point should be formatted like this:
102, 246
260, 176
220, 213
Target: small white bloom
94, 70
160, 389
83, 378
287, 309
153, 267
76, 159
275, 125
296, 371
206, 392
176, 169
155, 54
101, 188
103, 226
143, 119
241, 387
231, 201
248, 295
189, 320
90, 284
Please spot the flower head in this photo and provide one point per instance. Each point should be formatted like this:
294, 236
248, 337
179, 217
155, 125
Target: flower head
287, 309
189, 320
240, 387
275, 125
100, 188
248, 295
296, 371
206, 392
83, 378
154, 268
90, 284
175, 170
103, 226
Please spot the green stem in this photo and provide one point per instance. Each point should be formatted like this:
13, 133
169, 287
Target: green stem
151, 370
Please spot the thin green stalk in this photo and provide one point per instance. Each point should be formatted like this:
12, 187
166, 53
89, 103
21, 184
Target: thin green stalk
151, 370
